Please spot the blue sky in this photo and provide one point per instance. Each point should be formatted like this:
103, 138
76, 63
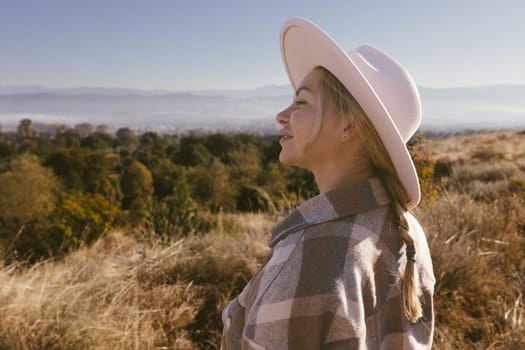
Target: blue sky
227, 44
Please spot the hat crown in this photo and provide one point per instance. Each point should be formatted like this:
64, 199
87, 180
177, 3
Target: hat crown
393, 86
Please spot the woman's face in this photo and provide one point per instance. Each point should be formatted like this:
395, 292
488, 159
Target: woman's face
298, 121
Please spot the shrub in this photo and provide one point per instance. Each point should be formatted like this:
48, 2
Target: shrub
466, 172
137, 187
425, 166
253, 199
486, 154
83, 218
177, 215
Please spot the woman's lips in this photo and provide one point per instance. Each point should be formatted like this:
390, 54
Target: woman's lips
285, 138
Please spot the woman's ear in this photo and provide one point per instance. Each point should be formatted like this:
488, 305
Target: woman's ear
348, 128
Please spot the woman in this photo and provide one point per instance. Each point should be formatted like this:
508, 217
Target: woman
350, 268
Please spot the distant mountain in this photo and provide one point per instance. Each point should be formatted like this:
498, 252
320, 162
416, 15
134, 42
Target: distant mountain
492, 106
496, 106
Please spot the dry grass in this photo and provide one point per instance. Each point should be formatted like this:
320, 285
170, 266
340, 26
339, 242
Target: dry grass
120, 294
509, 144
476, 230
478, 253
124, 294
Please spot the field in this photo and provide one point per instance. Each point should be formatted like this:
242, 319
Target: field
128, 292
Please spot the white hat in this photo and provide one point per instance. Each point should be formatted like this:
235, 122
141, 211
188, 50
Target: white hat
382, 87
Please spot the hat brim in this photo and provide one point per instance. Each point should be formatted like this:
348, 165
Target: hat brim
304, 46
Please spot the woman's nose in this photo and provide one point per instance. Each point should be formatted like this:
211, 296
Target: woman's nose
283, 116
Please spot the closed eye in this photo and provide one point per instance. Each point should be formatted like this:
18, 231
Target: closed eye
299, 102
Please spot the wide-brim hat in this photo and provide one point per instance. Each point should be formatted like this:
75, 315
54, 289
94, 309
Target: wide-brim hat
383, 88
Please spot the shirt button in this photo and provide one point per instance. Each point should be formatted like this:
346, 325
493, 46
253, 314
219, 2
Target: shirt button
228, 322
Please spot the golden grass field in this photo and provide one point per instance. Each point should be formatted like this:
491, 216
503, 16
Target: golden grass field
129, 293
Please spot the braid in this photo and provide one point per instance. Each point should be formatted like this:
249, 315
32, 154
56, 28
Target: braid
409, 279
333, 91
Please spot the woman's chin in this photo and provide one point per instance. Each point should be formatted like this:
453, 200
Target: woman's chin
285, 158
288, 159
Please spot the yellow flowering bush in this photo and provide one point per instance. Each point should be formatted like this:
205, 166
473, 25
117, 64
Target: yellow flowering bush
425, 166
84, 217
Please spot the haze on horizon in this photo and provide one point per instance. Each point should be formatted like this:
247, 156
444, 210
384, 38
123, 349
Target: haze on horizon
444, 109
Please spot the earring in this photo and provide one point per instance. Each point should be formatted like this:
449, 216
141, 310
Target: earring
344, 135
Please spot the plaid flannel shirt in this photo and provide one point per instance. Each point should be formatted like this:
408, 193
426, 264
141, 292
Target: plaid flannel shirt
331, 280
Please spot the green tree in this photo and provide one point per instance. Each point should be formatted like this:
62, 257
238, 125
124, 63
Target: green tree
85, 129
270, 152
177, 215
193, 154
164, 175
245, 164
7, 150
222, 146
98, 141
126, 138
28, 197
103, 129
28, 191
69, 165
97, 166
60, 129
137, 188
66, 137
212, 187
25, 129
273, 179
151, 149
80, 169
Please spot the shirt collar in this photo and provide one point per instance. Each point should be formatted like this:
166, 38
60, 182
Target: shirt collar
331, 205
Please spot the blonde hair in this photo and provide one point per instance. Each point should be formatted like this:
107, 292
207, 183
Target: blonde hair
333, 94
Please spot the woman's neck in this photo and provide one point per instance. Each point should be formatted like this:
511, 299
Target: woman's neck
332, 177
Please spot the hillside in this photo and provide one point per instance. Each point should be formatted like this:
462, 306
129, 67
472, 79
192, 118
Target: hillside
127, 291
